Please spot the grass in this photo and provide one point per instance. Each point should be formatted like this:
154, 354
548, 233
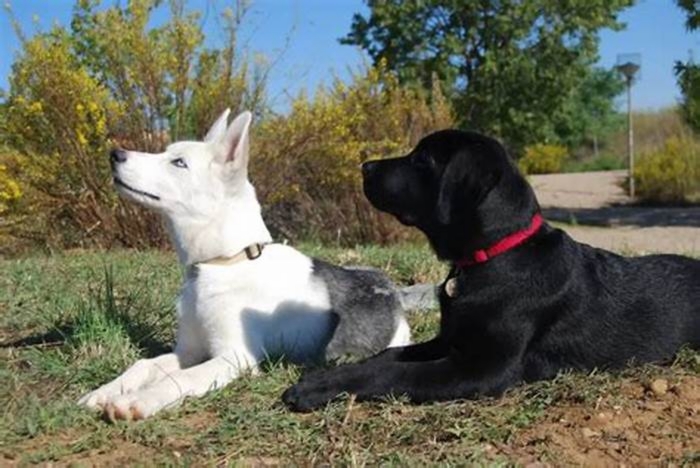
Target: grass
73, 321
604, 162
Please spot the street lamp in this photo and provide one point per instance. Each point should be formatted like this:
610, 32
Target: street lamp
629, 65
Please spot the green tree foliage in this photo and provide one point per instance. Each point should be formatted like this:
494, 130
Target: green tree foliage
692, 9
688, 74
589, 114
509, 65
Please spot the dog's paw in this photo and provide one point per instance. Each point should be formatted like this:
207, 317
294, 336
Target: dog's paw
307, 396
131, 407
95, 399
294, 399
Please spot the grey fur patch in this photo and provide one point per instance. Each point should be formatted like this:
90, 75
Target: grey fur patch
419, 297
366, 305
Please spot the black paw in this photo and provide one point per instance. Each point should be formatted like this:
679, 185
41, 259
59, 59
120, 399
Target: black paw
297, 399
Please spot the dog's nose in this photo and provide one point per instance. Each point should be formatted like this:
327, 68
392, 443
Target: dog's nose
117, 156
368, 167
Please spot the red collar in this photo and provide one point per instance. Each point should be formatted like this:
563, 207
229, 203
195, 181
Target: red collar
503, 245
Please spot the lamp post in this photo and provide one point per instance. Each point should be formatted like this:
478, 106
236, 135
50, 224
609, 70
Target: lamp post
629, 65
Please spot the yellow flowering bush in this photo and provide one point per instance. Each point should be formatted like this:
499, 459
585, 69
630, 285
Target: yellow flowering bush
10, 190
110, 80
671, 174
113, 80
306, 164
543, 159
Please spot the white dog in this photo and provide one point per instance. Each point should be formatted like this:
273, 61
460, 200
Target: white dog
243, 298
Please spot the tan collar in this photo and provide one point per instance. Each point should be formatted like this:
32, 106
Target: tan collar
251, 252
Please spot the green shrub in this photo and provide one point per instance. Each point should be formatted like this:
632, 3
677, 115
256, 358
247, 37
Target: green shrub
604, 162
543, 159
671, 174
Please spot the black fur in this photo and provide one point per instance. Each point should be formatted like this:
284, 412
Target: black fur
547, 305
366, 308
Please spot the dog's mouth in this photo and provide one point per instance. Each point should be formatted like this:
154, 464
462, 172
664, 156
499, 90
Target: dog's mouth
118, 181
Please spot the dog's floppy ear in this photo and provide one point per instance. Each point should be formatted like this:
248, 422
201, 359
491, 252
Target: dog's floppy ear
451, 186
233, 147
463, 186
218, 129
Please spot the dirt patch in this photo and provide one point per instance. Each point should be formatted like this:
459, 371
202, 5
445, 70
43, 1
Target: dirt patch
598, 212
639, 241
636, 427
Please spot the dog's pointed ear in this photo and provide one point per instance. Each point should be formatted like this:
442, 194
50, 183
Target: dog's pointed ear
451, 187
234, 144
218, 129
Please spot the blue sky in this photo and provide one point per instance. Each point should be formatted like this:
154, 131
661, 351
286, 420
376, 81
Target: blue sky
312, 55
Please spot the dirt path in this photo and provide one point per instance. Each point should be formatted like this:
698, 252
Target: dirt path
598, 212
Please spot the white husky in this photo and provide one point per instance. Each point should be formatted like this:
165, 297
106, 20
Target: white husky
243, 298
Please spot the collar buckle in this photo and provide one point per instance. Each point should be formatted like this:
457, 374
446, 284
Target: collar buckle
253, 251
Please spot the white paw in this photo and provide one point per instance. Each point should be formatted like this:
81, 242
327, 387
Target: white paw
95, 399
132, 406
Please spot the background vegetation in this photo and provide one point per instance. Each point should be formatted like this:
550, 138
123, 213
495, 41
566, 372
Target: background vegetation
110, 79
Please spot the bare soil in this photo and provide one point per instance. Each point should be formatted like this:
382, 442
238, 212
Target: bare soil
633, 427
598, 212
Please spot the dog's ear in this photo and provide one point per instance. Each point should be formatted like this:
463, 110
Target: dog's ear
218, 129
233, 148
450, 187
463, 186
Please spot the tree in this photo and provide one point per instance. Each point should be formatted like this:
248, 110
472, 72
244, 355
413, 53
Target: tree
692, 9
509, 65
589, 114
688, 74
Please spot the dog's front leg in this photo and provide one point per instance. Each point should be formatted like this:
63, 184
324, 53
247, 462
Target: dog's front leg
176, 386
421, 381
142, 373
426, 351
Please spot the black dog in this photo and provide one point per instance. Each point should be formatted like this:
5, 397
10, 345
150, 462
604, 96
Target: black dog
523, 300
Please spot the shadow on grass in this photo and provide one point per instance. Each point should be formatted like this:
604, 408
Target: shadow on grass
102, 317
141, 335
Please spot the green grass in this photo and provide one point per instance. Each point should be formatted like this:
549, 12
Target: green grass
604, 162
70, 322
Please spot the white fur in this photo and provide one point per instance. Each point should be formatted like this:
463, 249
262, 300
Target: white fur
230, 317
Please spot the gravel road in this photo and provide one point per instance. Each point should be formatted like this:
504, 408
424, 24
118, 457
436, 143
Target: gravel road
598, 212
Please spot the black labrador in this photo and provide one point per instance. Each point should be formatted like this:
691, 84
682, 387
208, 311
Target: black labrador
523, 300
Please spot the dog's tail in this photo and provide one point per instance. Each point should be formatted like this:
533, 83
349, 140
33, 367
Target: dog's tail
418, 297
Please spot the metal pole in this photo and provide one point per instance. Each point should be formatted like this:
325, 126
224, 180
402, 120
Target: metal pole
630, 136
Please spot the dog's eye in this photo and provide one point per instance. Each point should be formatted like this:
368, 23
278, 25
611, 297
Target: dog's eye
179, 162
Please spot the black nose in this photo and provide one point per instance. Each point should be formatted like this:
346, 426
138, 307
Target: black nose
117, 156
368, 167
